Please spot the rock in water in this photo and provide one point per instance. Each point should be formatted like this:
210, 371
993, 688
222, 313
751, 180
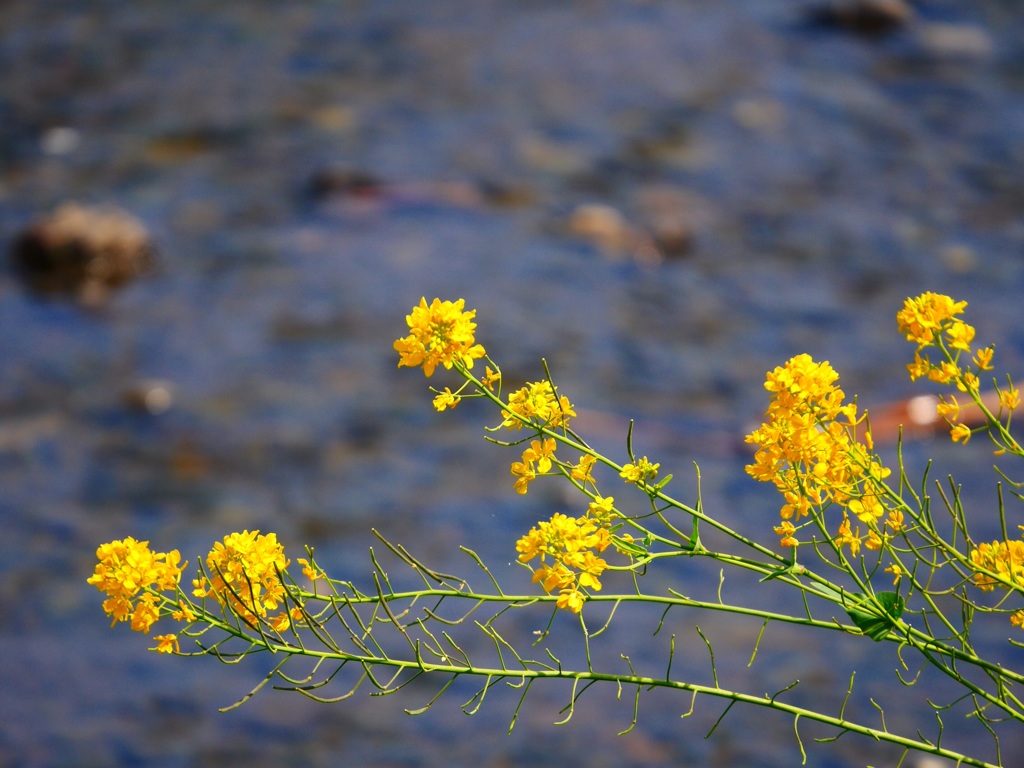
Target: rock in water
83, 252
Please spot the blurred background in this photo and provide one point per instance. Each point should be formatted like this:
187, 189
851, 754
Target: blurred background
663, 199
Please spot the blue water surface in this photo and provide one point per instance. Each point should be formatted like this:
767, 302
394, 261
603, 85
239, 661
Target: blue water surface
823, 176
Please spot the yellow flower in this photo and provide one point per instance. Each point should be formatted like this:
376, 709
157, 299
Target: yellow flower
553, 577
983, 358
945, 373
446, 399
309, 570
525, 474
490, 378
1005, 559
807, 447
896, 572
184, 613
786, 530
640, 472
146, 614
960, 335
281, 622
541, 453
920, 367
848, 538
539, 404
948, 410
568, 552
243, 574
867, 508
166, 644
129, 570
895, 520
921, 319
570, 599
968, 382
960, 432
582, 472
1017, 619
602, 509
925, 320
590, 567
440, 334
1009, 398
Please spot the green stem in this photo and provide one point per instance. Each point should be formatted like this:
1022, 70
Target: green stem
527, 675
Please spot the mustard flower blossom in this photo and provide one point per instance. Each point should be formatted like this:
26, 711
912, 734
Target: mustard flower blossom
602, 509
945, 373
983, 358
570, 599
808, 447
128, 570
897, 573
960, 432
536, 459
640, 472
787, 531
1009, 398
1003, 558
184, 613
445, 400
243, 575
583, 471
959, 335
930, 320
847, 537
920, 367
309, 570
525, 473
921, 319
490, 378
541, 452
948, 409
166, 644
441, 333
894, 520
568, 552
968, 382
539, 404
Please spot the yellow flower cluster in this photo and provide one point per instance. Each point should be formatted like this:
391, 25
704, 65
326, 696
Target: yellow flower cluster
440, 334
809, 449
446, 399
128, 570
568, 549
923, 319
1003, 558
243, 575
640, 472
536, 460
583, 472
539, 403
930, 320
873, 539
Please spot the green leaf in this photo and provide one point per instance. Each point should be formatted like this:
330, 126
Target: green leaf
629, 547
794, 569
695, 535
821, 589
876, 617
